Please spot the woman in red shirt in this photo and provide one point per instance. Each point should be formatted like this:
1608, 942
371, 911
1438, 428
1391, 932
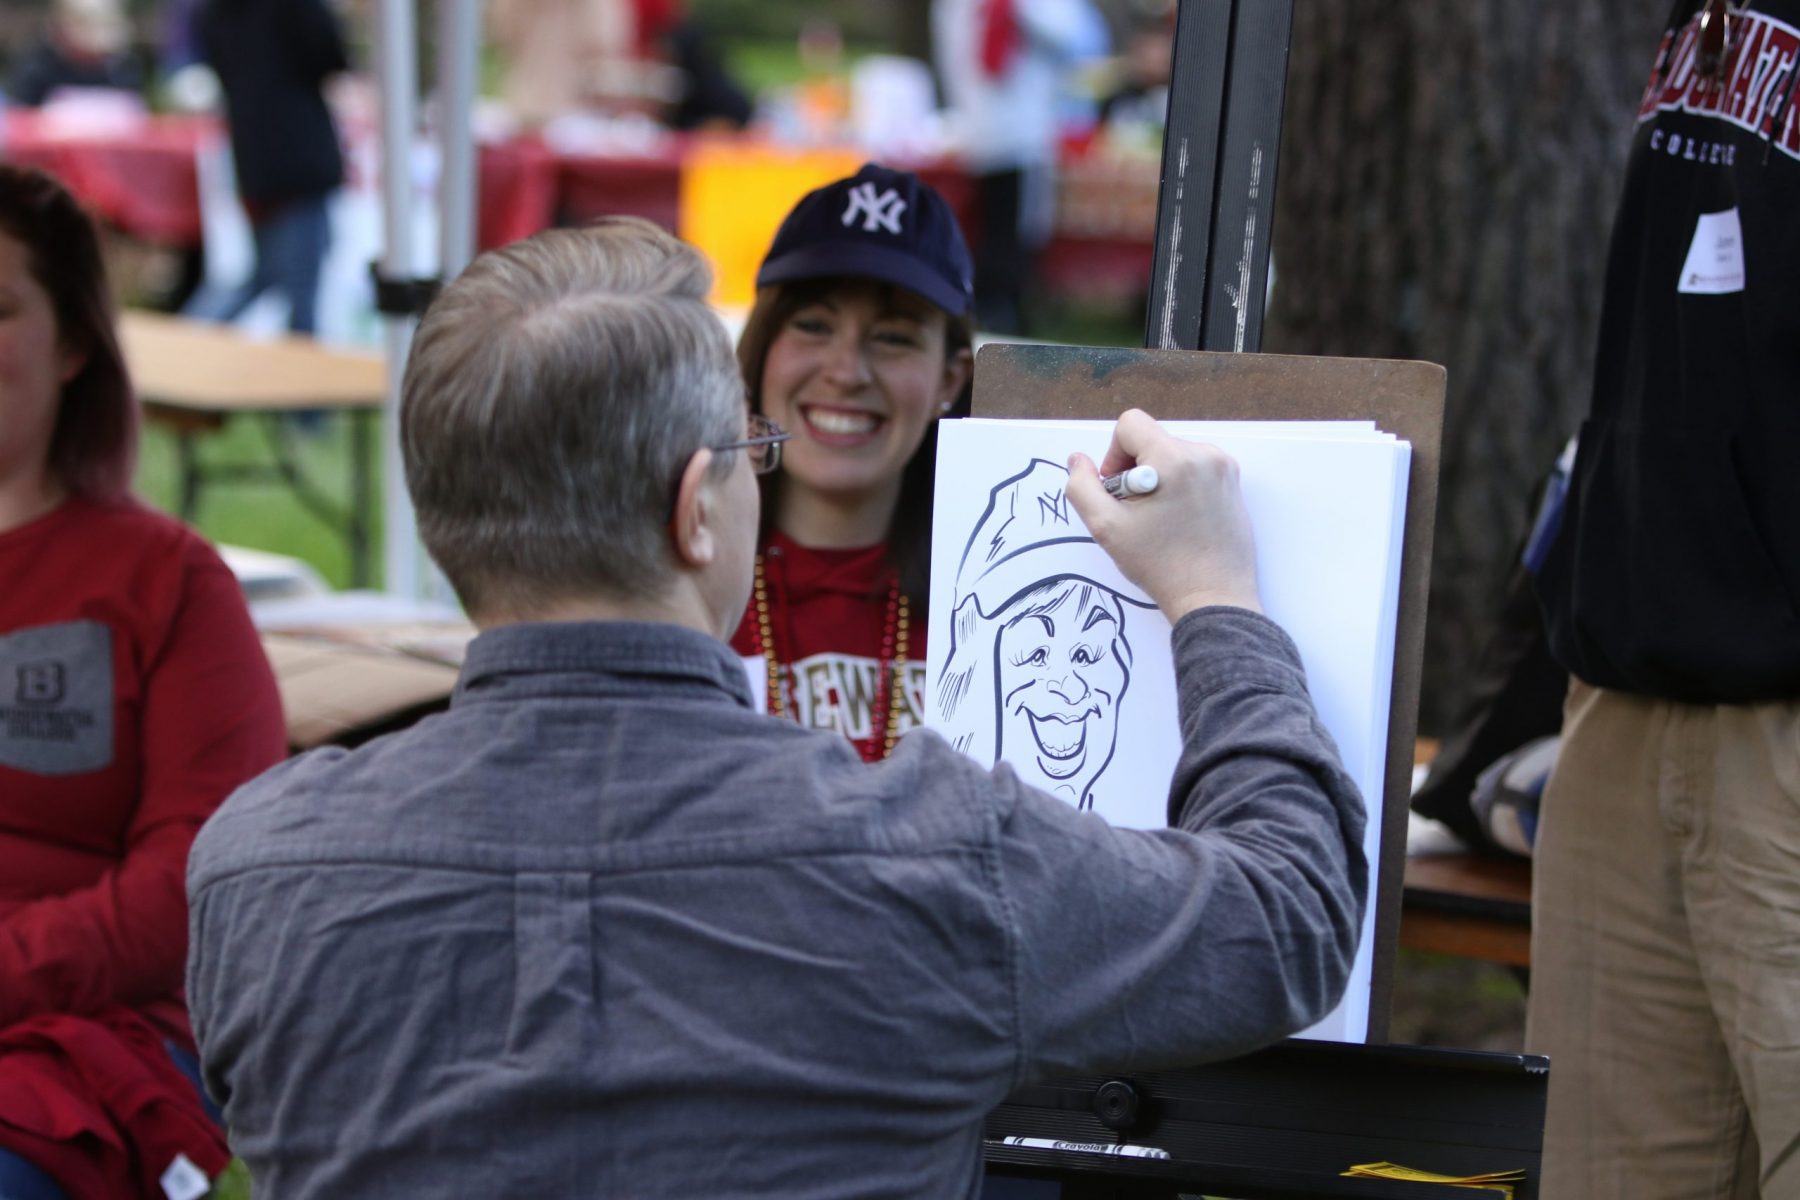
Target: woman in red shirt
859, 342
134, 697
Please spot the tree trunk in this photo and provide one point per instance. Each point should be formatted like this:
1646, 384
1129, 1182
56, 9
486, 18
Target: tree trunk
1447, 180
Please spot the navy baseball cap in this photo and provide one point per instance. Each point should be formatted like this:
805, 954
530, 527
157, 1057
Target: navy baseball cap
878, 224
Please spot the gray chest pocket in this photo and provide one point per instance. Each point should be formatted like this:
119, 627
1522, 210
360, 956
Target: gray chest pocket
56, 698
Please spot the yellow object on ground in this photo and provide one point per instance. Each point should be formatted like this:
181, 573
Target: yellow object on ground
1493, 1181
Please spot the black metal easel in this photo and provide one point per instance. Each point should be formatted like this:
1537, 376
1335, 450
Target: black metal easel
1216, 205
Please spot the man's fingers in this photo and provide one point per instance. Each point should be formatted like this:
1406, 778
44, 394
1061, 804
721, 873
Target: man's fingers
1136, 431
1086, 493
1133, 434
1207, 558
1117, 458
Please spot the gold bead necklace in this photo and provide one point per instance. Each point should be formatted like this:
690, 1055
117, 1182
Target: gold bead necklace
896, 629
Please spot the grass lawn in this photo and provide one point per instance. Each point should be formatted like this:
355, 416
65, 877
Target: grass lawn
263, 514
763, 64
234, 1184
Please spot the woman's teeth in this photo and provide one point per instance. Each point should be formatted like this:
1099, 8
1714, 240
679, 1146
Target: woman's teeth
846, 424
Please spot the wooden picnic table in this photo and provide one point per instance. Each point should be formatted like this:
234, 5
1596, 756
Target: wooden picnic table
193, 378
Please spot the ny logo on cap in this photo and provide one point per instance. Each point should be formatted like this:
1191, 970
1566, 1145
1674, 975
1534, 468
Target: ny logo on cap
878, 212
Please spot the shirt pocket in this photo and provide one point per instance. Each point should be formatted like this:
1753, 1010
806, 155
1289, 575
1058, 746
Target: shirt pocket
56, 698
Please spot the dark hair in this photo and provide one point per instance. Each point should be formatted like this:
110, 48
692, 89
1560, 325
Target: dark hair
909, 533
94, 445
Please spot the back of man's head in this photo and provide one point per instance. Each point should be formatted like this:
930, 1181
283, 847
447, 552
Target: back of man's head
553, 395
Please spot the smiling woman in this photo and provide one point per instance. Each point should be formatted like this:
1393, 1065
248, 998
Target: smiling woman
859, 343
133, 698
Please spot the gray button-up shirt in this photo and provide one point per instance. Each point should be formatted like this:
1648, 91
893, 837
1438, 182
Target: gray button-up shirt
602, 930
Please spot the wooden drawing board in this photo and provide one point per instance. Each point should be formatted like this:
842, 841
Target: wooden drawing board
1405, 399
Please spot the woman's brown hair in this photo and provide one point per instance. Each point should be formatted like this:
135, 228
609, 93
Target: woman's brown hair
93, 448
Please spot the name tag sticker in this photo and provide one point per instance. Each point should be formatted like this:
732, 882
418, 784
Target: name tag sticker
184, 1181
1715, 260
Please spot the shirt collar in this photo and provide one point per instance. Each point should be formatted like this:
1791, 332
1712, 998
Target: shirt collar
596, 657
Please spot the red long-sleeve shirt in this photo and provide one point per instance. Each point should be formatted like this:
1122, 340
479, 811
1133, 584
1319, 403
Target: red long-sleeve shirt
134, 697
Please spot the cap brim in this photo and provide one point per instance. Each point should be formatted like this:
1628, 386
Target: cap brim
1078, 560
860, 260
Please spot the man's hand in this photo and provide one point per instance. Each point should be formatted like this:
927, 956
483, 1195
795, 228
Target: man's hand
1187, 544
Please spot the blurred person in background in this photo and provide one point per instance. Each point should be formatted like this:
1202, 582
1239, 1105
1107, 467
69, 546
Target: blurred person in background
1135, 106
273, 58
710, 99
134, 696
1004, 65
563, 56
87, 45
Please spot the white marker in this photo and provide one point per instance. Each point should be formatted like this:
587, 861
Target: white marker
1138, 481
1119, 1148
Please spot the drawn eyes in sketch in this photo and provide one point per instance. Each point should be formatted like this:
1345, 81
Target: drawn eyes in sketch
1039, 662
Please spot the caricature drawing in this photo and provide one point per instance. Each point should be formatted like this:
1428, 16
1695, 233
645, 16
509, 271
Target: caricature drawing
1039, 662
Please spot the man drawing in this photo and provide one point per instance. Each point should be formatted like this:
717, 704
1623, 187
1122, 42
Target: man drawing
601, 929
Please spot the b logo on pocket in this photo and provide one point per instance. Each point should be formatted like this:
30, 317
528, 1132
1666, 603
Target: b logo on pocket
40, 683
56, 698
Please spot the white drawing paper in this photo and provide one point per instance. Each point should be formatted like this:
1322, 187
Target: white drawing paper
1043, 655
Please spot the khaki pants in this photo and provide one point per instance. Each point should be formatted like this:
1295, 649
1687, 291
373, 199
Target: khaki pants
1665, 951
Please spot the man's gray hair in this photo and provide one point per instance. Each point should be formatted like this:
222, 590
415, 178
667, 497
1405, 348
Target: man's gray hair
553, 395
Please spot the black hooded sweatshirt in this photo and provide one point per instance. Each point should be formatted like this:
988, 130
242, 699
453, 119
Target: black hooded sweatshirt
1676, 570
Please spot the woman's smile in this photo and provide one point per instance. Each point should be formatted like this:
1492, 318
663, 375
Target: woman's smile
842, 427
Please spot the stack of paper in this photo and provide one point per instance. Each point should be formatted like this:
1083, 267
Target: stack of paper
1042, 654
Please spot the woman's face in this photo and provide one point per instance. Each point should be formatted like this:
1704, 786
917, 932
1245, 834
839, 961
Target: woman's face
33, 365
857, 377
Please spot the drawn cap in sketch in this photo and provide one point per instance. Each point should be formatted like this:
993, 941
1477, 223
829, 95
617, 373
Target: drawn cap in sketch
1028, 535
878, 224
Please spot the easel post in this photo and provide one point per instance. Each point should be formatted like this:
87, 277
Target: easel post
1216, 204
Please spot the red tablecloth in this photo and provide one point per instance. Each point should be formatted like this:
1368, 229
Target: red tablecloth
517, 184
141, 179
590, 186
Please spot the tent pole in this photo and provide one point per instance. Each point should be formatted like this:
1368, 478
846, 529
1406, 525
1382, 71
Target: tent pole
396, 55
459, 42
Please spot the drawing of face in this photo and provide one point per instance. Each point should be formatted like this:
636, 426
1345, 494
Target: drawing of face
1062, 665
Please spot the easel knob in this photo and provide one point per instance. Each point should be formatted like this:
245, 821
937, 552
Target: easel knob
1116, 1103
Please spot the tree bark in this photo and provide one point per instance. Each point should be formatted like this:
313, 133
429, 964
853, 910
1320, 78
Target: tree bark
1445, 192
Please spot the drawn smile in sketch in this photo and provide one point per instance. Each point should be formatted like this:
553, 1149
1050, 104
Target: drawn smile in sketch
1039, 661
